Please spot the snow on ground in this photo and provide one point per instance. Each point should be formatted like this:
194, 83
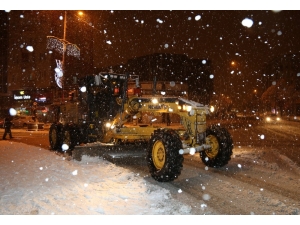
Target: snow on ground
35, 181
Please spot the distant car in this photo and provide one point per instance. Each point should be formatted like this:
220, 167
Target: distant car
20, 121
271, 118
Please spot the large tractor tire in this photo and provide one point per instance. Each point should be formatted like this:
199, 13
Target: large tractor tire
70, 137
163, 158
55, 136
221, 147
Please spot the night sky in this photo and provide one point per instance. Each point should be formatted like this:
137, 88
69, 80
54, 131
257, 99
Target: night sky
218, 35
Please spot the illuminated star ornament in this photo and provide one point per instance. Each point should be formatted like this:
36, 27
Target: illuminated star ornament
58, 73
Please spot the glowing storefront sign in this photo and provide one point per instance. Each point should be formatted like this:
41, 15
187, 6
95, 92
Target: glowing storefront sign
20, 95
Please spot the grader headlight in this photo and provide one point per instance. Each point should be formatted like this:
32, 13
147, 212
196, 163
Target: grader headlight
154, 101
186, 108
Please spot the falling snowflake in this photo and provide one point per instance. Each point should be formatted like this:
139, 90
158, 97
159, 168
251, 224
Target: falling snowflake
192, 151
65, 147
247, 22
12, 112
29, 48
159, 20
198, 17
206, 197
203, 205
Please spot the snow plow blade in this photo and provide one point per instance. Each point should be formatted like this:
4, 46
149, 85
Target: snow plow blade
109, 151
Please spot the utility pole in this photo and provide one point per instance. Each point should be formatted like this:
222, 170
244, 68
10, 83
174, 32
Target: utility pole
64, 53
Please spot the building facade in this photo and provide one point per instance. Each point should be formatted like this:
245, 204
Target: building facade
29, 65
281, 78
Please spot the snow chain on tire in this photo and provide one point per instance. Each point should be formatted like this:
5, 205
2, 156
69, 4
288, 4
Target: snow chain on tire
163, 158
220, 153
55, 136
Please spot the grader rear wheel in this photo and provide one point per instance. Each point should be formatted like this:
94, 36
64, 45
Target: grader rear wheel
70, 137
55, 136
163, 158
221, 147
66, 139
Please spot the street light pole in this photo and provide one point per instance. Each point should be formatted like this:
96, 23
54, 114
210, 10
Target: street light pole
64, 52
64, 38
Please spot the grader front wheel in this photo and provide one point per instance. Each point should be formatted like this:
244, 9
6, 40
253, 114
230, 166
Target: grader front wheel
221, 147
158, 154
163, 158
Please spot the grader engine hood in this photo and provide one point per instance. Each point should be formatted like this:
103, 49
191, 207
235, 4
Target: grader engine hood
192, 118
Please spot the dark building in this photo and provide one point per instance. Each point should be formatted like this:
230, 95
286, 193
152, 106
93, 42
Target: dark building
174, 67
3, 50
5, 98
281, 80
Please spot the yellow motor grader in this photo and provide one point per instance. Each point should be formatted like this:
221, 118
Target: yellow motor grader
164, 126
